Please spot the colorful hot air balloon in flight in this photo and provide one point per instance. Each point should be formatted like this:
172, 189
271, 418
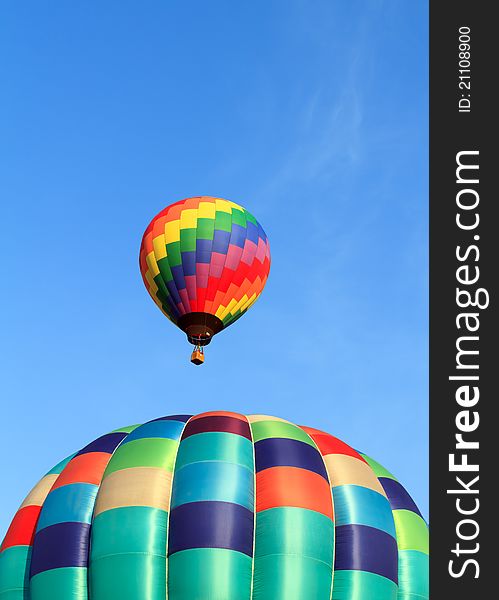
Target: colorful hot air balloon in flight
204, 261
217, 506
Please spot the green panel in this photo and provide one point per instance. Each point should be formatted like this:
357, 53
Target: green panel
413, 575
127, 429
188, 240
14, 572
290, 577
361, 585
412, 531
278, 429
223, 221
146, 452
128, 577
250, 217
164, 269
209, 574
238, 217
130, 529
173, 253
378, 469
288, 530
205, 228
60, 584
215, 445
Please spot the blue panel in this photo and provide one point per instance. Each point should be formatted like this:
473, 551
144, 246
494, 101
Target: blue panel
282, 452
69, 503
225, 482
221, 241
354, 504
238, 235
157, 429
211, 525
106, 443
61, 545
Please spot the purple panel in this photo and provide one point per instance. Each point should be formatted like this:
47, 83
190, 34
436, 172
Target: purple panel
214, 423
398, 496
61, 545
238, 235
106, 443
178, 278
221, 241
211, 525
172, 288
281, 452
362, 548
189, 263
252, 232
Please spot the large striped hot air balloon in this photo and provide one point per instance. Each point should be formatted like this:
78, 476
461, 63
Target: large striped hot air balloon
218, 506
204, 261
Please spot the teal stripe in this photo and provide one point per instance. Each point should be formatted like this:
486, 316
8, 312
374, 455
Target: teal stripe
69, 503
413, 575
208, 574
362, 585
291, 577
157, 429
130, 529
290, 530
60, 584
216, 481
213, 446
357, 505
14, 572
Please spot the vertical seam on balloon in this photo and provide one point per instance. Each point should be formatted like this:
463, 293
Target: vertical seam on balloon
95, 502
252, 582
334, 512
170, 506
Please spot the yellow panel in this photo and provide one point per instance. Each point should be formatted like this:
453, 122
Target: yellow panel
239, 304
344, 470
136, 486
152, 264
257, 418
207, 210
223, 205
172, 232
38, 494
220, 310
189, 218
227, 309
159, 245
153, 288
250, 302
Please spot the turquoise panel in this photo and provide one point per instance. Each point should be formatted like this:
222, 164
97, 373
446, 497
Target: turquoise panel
157, 429
213, 446
361, 585
357, 505
225, 482
14, 572
131, 529
67, 583
413, 575
209, 574
69, 503
289, 530
60, 466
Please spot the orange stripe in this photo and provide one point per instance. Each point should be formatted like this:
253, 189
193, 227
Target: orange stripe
290, 486
86, 468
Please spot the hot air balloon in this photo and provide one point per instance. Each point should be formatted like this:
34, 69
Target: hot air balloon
204, 262
217, 506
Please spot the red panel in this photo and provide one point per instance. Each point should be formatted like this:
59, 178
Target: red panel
22, 529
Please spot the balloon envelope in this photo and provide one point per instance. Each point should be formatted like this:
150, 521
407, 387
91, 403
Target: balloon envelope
204, 261
217, 506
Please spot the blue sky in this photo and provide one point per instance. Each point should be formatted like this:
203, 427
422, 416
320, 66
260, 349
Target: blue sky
313, 115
